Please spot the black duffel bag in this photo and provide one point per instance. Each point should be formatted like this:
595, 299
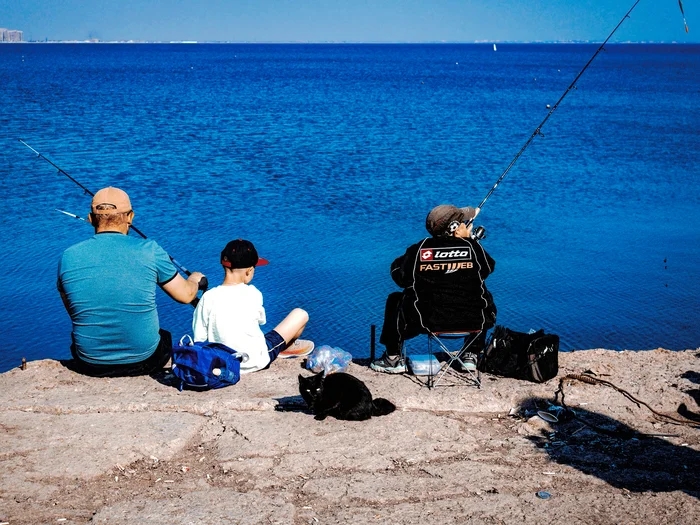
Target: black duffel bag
532, 357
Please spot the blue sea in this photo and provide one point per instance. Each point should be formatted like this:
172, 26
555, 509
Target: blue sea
329, 157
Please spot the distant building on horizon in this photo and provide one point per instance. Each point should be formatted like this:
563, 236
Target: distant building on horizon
11, 35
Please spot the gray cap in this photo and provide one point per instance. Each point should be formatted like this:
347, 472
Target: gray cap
441, 216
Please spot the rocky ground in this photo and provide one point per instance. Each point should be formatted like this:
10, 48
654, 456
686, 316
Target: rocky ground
138, 451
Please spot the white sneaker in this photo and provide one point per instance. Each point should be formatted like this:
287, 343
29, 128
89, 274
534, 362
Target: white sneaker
389, 364
467, 363
299, 348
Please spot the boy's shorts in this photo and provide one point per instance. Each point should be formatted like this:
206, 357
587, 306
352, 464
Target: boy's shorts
275, 344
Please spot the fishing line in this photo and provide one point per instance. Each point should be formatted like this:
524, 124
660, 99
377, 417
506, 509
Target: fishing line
87, 191
554, 107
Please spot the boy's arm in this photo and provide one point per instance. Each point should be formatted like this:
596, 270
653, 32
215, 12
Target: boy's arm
199, 322
259, 309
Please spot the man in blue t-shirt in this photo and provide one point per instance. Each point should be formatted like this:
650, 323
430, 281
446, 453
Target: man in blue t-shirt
108, 286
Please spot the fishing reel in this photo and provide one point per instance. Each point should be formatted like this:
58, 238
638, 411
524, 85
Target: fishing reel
479, 233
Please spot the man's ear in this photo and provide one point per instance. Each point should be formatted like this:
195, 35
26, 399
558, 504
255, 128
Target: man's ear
90, 219
130, 217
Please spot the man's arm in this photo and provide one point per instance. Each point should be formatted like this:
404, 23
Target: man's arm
397, 273
181, 290
64, 297
402, 267
486, 263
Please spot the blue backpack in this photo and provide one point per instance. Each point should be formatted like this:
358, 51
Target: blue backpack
205, 366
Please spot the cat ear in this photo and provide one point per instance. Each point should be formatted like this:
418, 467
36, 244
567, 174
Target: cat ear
323, 373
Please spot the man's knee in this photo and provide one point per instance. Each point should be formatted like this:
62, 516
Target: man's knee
393, 305
394, 299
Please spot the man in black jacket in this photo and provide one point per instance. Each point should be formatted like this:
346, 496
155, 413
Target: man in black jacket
443, 280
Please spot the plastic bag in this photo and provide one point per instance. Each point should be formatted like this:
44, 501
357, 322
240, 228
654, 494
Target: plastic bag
328, 359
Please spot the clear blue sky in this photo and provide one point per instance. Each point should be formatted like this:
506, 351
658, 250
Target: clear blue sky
350, 20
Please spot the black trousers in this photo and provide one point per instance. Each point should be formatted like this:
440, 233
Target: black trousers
154, 363
402, 322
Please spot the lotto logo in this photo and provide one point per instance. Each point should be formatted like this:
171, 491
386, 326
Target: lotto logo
451, 254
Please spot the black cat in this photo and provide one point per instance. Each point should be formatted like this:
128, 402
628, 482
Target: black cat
342, 396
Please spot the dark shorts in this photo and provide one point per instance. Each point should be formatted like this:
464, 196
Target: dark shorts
154, 363
275, 344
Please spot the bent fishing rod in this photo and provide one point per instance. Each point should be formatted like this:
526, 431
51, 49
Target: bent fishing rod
538, 130
203, 282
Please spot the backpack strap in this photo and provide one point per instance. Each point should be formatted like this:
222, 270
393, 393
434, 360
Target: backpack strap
183, 338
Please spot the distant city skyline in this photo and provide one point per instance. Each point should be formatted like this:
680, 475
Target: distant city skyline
350, 21
10, 35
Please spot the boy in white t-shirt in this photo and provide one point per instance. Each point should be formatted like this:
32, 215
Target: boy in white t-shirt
233, 312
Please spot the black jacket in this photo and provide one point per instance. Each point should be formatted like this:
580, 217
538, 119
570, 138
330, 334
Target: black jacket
443, 278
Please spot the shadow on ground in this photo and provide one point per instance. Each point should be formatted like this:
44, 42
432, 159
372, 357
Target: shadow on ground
617, 453
292, 404
693, 377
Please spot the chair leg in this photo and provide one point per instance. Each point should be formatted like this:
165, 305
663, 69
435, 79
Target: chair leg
467, 348
454, 356
434, 378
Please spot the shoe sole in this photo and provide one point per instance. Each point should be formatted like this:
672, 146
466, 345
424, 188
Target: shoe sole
395, 370
295, 353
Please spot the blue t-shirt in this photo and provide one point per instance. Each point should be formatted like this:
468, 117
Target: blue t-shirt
110, 282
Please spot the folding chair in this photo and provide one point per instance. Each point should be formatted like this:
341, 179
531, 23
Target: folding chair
441, 342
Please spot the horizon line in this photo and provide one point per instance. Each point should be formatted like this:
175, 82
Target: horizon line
342, 42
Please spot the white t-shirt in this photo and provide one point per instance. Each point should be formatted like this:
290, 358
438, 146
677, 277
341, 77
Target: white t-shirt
232, 315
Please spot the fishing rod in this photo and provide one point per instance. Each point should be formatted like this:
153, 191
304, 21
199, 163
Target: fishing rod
554, 107
87, 191
71, 214
202, 283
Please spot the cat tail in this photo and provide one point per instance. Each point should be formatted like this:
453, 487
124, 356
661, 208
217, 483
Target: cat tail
382, 407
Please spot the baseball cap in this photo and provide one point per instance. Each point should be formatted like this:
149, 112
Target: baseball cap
241, 254
441, 216
110, 200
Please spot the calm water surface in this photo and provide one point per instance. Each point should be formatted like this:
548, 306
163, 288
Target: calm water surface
328, 157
